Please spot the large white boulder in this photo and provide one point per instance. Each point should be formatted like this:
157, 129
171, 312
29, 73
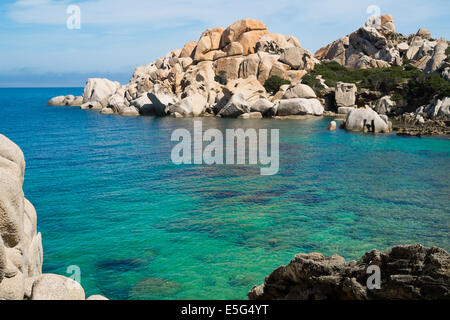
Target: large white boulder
236, 106
298, 58
262, 106
299, 91
366, 120
300, 106
55, 287
129, 112
99, 90
161, 98
193, 105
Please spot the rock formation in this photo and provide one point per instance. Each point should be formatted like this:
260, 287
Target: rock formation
224, 72
379, 45
69, 100
406, 272
21, 253
184, 82
345, 94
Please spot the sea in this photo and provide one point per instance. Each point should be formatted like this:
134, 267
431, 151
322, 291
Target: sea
117, 214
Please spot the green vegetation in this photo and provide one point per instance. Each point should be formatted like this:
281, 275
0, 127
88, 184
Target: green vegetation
273, 84
221, 78
405, 83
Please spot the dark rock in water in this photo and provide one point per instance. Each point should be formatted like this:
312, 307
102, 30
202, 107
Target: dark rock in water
154, 289
407, 272
239, 281
122, 265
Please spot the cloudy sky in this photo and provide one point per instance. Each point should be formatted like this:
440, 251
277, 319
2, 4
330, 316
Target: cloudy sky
37, 48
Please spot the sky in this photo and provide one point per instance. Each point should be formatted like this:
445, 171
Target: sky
115, 36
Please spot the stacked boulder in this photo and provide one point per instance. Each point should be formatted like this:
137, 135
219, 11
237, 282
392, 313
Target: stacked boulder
345, 97
186, 82
21, 253
379, 45
299, 99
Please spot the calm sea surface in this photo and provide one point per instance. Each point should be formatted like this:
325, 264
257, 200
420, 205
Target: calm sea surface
110, 201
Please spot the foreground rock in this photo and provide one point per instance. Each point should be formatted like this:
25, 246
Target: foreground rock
407, 272
21, 253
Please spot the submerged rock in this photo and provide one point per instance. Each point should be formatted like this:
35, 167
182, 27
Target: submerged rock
407, 272
154, 288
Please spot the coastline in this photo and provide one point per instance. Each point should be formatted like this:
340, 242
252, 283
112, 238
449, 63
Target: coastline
136, 211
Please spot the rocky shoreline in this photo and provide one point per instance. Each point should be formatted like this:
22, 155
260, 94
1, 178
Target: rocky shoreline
407, 272
244, 71
21, 252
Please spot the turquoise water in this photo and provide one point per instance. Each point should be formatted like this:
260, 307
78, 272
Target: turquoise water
110, 201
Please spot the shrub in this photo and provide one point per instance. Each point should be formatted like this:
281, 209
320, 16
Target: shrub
221, 78
405, 83
396, 97
423, 87
273, 84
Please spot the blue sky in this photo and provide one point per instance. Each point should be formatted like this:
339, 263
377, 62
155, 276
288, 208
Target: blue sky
37, 49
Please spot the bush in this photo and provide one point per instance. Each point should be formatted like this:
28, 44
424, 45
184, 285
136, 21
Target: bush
273, 84
396, 97
379, 79
221, 78
405, 83
423, 87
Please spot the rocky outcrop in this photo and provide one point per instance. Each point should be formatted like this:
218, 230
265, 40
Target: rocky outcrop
21, 253
430, 120
97, 92
244, 50
378, 45
407, 272
223, 73
69, 100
